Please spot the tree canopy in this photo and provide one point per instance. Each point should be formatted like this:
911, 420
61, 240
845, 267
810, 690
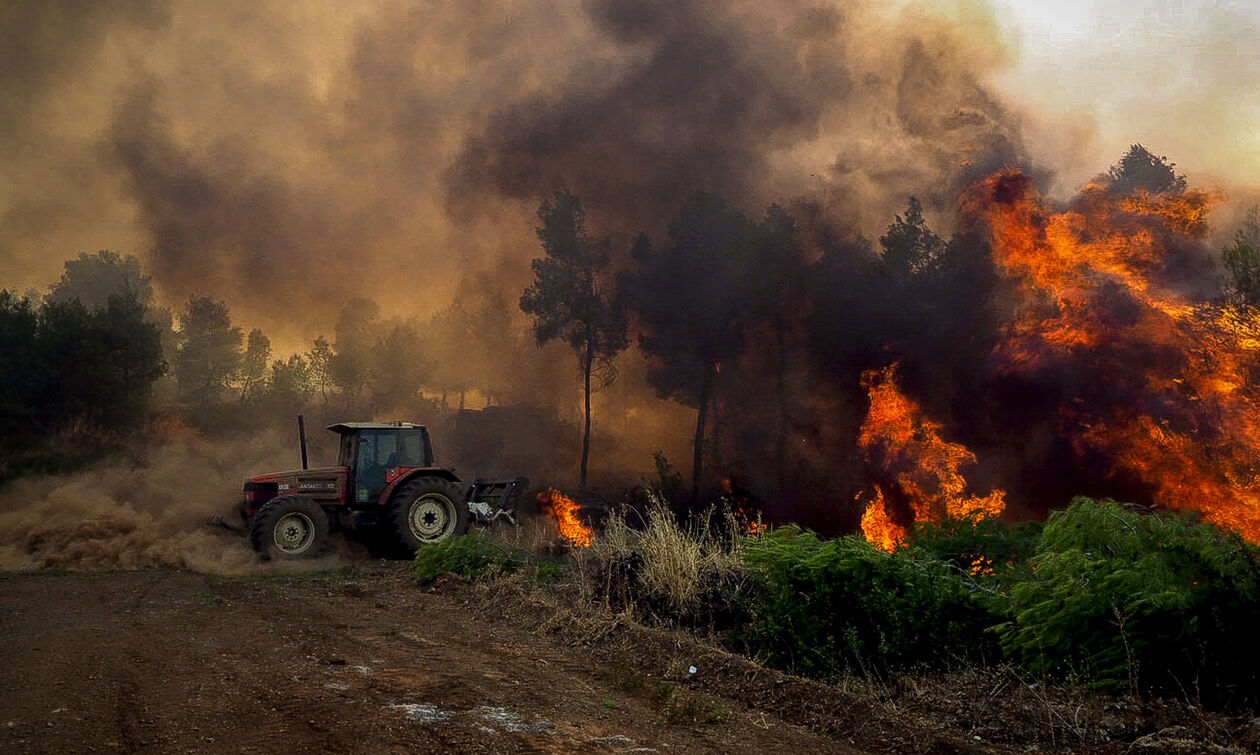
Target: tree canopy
571, 299
1141, 169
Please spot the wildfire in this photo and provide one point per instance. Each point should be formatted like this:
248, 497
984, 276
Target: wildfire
742, 507
981, 567
564, 512
916, 463
878, 529
1164, 392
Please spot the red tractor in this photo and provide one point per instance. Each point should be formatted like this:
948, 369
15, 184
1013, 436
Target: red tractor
385, 482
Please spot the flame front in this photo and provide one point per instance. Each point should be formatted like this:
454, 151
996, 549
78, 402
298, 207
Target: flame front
1165, 396
907, 451
878, 529
563, 510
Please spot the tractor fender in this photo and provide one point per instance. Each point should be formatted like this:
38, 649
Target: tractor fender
412, 474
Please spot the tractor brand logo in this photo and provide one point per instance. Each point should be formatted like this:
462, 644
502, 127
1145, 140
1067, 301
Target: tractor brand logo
317, 486
283, 486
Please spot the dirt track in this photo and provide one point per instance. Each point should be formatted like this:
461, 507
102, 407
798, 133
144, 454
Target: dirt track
170, 661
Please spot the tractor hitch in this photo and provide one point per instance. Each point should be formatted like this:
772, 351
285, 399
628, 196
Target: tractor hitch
218, 521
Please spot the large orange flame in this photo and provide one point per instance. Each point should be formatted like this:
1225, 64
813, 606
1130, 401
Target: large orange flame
878, 529
910, 454
1099, 282
563, 510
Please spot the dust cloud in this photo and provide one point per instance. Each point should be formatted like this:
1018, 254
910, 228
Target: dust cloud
150, 513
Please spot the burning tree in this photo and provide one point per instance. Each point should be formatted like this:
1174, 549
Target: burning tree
1113, 307
920, 472
571, 300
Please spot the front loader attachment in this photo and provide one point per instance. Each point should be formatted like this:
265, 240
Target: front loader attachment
489, 500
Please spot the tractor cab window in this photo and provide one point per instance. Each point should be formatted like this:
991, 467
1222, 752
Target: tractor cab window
382, 450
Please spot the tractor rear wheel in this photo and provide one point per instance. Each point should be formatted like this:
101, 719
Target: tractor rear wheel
426, 510
289, 527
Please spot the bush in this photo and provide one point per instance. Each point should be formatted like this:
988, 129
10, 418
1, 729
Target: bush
469, 556
843, 605
1146, 603
667, 572
989, 550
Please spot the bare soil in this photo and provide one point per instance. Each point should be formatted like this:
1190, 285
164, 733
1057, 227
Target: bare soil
365, 660
174, 661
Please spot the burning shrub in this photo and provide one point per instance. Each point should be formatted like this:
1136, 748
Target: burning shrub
844, 605
1152, 603
984, 548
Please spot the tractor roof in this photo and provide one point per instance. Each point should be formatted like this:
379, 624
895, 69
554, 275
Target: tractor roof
349, 427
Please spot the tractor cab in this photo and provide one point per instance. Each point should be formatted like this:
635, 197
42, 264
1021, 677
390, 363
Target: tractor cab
377, 453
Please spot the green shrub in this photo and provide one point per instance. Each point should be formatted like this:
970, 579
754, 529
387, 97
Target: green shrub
467, 555
988, 550
842, 605
1123, 600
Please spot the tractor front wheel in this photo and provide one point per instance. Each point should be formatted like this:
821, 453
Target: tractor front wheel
426, 510
289, 527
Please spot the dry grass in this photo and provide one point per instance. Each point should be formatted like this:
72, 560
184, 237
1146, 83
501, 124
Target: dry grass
679, 562
645, 566
663, 570
534, 534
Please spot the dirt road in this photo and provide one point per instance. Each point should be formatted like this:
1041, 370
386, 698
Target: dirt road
170, 661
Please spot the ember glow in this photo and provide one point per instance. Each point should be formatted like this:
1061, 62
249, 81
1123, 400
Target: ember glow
563, 510
1163, 391
918, 468
742, 507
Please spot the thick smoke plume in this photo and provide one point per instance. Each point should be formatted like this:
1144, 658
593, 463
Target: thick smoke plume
753, 101
287, 160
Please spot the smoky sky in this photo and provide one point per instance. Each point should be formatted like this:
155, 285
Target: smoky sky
288, 158
713, 97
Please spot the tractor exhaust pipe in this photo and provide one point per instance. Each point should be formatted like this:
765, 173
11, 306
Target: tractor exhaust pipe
302, 439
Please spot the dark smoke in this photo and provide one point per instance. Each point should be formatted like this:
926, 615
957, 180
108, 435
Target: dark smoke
704, 104
710, 97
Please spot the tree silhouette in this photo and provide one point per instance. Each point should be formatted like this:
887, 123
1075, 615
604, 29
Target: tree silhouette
779, 302
690, 297
355, 335
68, 365
1140, 169
254, 363
399, 365
320, 359
93, 278
208, 358
909, 246
20, 378
290, 384
1242, 259
571, 300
